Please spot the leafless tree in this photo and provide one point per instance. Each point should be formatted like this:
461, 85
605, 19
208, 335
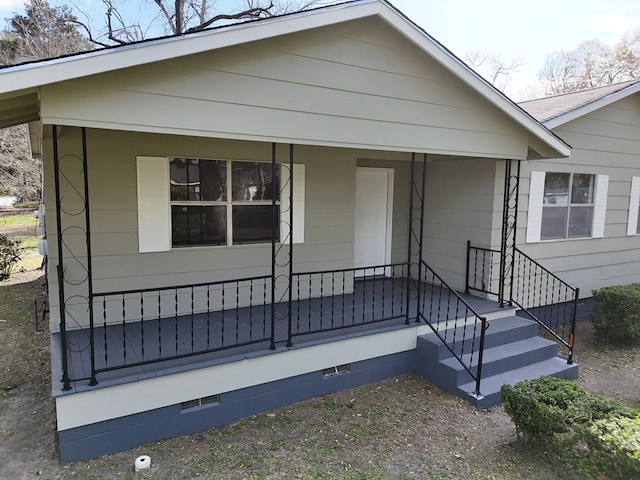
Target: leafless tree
174, 17
42, 31
591, 64
495, 69
19, 173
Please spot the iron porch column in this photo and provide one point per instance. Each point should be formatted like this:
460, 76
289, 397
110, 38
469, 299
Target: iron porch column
509, 230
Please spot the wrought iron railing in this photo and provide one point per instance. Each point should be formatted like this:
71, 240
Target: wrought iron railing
536, 291
458, 326
146, 326
337, 299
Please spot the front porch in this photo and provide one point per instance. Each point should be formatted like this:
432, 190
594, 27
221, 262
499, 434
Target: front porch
131, 350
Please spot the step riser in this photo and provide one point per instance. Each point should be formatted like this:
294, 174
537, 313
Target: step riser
500, 365
491, 339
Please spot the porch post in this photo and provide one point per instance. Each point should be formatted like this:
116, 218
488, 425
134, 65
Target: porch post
289, 342
87, 220
415, 234
281, 248
509, 226
82, 284
66, 385
274, 233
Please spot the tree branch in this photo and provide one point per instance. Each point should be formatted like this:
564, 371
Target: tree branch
88, 32
257, 12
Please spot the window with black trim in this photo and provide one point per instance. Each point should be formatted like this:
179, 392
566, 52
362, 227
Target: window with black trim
568, 205
222, 202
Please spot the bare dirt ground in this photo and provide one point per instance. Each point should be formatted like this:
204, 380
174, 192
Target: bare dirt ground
401, 428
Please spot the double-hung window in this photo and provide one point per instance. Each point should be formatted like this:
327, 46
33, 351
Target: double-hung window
203, 202
566, 206
222, 202
568, 202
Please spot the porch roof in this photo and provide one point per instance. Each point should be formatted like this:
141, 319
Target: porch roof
20, 85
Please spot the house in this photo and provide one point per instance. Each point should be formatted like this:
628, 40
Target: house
255, 214
588, 237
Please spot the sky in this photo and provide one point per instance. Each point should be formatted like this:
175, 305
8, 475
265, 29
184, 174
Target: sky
515, 29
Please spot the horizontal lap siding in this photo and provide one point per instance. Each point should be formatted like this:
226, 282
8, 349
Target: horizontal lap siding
605, 142
359, 85
459, 207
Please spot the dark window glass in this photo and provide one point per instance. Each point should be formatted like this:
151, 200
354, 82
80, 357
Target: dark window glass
252, 224
556, 188
580, 221
198, 225
198, 180
554, 221
582, 188
252, 181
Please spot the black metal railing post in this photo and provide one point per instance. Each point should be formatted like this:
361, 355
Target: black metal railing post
421, 237
483, 332
466, 274
515, 196
92, 381
576, 297
409, 239
66, 385
415, 233
509, 230
290, 288
274, 226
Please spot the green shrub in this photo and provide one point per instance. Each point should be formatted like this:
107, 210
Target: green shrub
616, 316
546, 406
9, 255
616, 442
596, 432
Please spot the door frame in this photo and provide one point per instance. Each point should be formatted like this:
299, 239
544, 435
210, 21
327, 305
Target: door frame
389, 220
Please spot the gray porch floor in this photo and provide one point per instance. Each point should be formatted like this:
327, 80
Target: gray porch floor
217, 337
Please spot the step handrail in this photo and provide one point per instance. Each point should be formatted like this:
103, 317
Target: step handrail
429, 276
566, 312
539, 293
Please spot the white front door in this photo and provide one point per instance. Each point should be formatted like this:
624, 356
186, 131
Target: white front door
374, 196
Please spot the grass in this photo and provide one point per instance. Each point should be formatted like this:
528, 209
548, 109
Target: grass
23, 227
19, 345
22, 220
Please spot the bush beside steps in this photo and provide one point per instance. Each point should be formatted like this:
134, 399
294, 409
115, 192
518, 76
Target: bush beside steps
596, 432
616, 315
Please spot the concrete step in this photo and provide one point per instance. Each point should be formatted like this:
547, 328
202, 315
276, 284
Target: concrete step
501, 331
490, 386
513, 352
503, 358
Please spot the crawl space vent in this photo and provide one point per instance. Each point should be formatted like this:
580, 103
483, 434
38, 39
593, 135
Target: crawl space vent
199, 402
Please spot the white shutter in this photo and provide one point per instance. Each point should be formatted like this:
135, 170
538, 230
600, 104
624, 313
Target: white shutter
600, 206
154, 219
634, 203
298, 203
534, 212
